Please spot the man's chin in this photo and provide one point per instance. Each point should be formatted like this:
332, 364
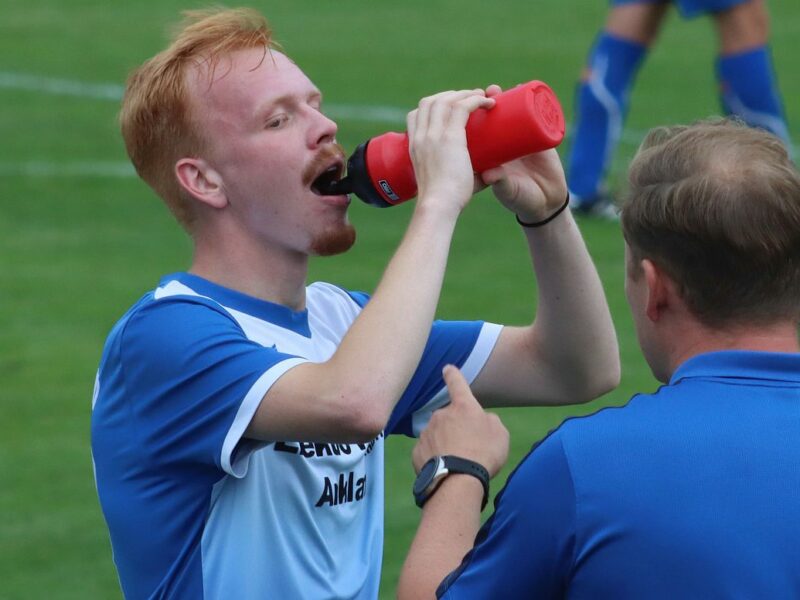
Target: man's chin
334, 242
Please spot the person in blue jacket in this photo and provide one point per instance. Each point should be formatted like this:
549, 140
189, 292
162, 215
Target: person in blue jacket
692, 491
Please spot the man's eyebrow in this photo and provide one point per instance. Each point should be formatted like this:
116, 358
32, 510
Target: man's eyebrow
265, 108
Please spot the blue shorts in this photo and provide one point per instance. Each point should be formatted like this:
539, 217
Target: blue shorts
689, 8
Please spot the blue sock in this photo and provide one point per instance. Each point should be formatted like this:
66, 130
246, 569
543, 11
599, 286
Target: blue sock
601, 106
748, 89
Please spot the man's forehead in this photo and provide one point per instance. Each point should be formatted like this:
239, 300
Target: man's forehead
247, 74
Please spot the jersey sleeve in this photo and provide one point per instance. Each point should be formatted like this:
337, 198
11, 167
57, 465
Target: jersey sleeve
192, 382
465, 344
526, 548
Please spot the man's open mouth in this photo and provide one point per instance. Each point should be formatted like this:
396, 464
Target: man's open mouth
325, 183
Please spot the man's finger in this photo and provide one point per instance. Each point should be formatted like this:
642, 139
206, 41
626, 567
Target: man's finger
457, 386
465, 106
492, 176
433, 111
411, 123
493, 90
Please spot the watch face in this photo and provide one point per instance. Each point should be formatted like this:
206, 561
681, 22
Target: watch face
426, 474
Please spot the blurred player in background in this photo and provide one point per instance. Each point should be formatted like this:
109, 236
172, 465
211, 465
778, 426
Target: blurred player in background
240, 414
747, 83
692, 491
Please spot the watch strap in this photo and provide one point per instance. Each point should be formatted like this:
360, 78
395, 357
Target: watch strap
456, 464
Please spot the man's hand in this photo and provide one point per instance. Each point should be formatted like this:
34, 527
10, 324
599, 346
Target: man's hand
451, 518
463, 429
438, 147
533, 187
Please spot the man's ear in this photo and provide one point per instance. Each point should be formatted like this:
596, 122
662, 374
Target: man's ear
201, 181
660, 290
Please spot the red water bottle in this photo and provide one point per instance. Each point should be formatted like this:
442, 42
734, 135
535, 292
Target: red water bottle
523, 120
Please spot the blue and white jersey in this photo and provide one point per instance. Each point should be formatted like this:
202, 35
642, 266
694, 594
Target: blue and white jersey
197, 511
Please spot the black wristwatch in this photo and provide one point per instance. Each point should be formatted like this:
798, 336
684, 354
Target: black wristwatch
439, 467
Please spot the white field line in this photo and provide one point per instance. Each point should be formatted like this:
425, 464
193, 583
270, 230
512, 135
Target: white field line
43, 168
388, 115
60, 87
113, 91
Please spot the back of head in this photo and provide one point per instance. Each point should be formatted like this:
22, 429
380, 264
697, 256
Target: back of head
156, 117
717, 205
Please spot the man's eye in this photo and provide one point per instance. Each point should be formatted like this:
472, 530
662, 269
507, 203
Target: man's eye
276, 122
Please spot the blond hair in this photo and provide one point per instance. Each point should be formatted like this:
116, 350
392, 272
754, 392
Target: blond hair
717, 205
156, 118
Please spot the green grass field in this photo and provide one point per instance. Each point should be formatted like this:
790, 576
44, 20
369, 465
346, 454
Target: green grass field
81, 238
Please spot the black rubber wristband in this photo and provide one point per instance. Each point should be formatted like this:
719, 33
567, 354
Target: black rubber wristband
438, 468
456, 464
548, 219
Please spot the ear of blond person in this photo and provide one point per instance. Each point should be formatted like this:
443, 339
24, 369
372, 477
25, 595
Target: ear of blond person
463, 429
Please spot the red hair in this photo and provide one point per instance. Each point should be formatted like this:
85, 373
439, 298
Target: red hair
156, 119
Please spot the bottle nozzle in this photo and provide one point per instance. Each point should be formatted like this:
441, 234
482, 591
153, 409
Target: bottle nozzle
334, 188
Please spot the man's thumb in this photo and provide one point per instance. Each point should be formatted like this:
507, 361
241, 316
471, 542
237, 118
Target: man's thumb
492, 176
457, 386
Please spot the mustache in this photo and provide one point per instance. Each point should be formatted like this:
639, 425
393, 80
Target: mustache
324, 158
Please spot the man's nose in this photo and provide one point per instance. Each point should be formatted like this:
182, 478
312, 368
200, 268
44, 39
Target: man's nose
324, 130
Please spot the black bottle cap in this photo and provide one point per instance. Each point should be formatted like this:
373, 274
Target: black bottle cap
360, 182
357, 180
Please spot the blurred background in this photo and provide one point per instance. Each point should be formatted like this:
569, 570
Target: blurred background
81, 238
